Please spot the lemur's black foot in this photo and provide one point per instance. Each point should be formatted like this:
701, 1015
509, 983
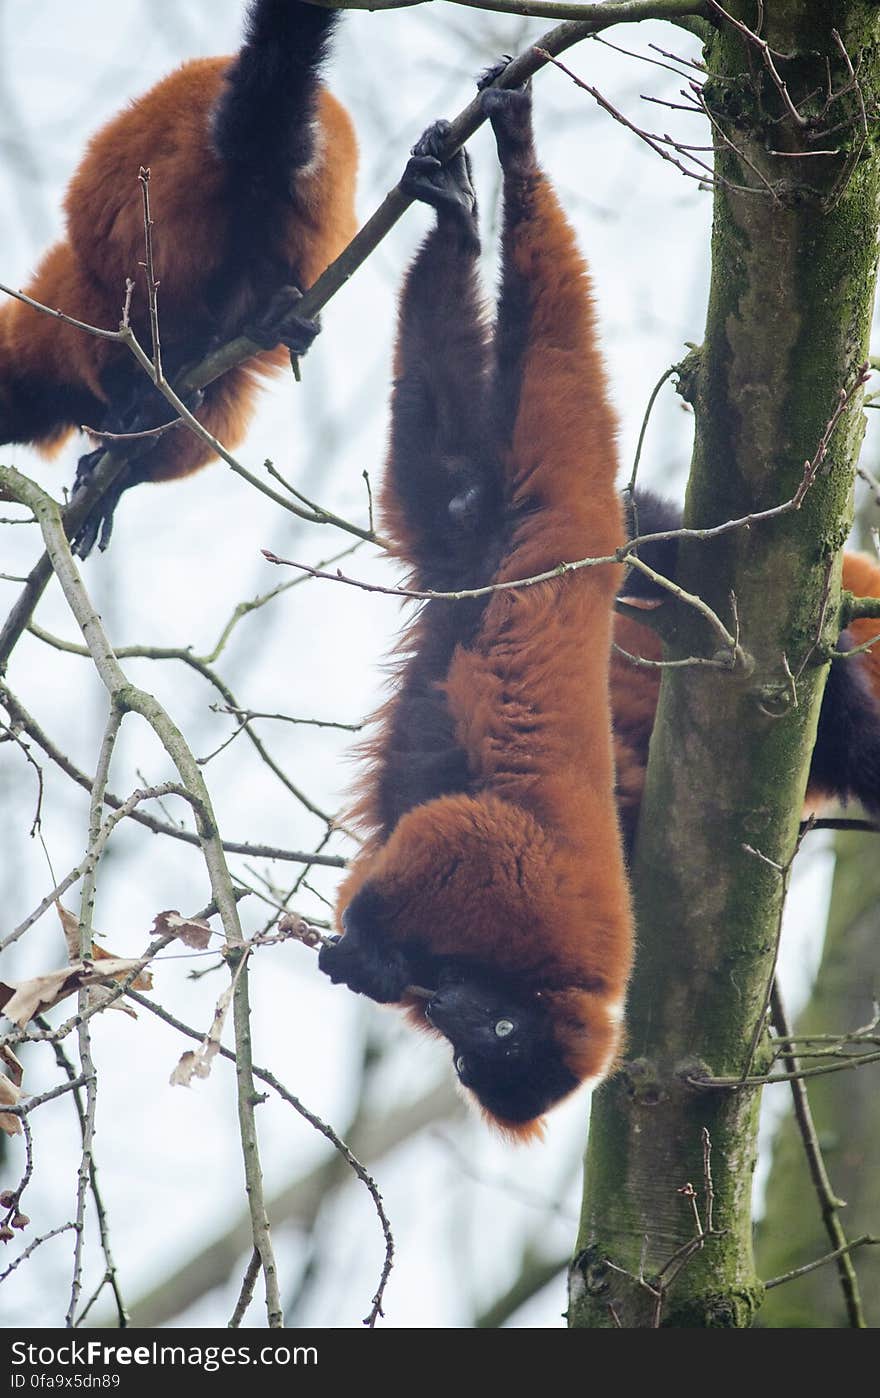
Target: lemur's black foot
365, 958
97, 527
280, 323
379, 970
144, 411
509, 109
445, 187
494, 70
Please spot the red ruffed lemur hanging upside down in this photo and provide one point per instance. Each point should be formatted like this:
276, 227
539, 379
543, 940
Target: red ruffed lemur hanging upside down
253, 166
493, 870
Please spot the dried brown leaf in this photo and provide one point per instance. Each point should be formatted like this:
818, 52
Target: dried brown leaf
142, 981
40, 993
196, 1063
193, 931
16, 1071
70, 926
10, 1094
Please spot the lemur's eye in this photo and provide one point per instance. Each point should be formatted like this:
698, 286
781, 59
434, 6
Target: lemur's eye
504, 1027
459, 1065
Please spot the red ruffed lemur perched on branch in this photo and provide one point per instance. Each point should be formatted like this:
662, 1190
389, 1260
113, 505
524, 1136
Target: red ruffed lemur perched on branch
846, 756
493, 870
253, 166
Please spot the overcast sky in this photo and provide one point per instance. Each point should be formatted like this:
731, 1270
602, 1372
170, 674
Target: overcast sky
184, 555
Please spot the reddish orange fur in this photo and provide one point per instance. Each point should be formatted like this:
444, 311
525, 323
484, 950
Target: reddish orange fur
861, 577
168, 131
527, 874
33, 343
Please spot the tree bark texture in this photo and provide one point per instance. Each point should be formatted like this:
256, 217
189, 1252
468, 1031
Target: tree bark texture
792, 290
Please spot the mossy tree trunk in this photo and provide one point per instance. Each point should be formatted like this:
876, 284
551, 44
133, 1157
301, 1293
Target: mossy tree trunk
794, 264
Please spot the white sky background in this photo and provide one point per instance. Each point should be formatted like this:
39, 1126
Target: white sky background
183, 555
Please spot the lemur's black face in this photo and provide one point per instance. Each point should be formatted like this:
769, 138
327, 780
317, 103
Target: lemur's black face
503, 1047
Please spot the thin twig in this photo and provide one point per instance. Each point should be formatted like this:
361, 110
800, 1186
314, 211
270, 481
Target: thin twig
22, 1109
767, 55
105, 1281
152, 283
627, 553
246, 1295
784, 872
690, 661
32, 1247
631, 483
322, 1126
550, 575
866, 1240
707, 177
14, 737
12, 1198
840, 823
21, 717
592, 17
125, 808
334, 277
857, 1060
195, 662
247, 714
111, 1277
86, 909
126, 696
828, 1202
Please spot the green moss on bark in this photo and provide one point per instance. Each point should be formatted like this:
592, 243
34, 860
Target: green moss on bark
793, 274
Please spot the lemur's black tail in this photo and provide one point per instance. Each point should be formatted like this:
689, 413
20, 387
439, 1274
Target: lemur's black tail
647, 513
263, 124
846, 758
